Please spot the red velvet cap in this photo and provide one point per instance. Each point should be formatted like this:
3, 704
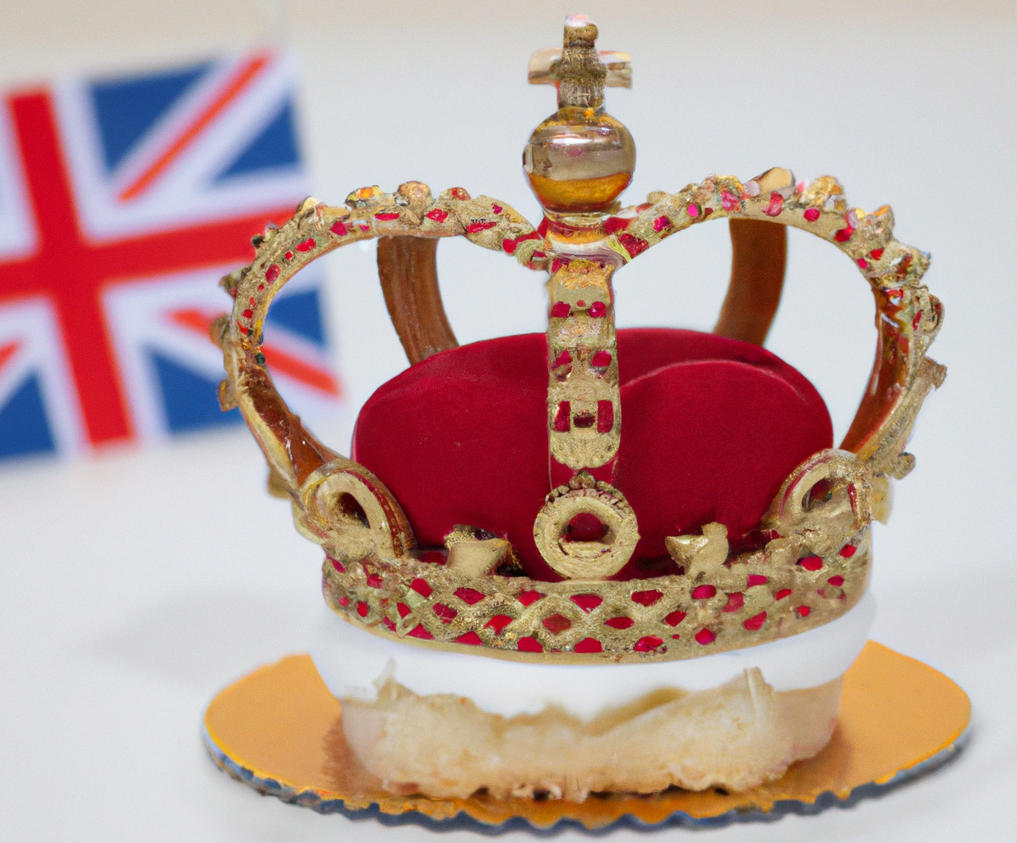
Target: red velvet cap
711, 427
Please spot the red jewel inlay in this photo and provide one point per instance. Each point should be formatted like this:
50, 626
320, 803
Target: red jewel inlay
529, 645
755, 579
497, 209
691, 210
509, 245
402, 609
420, 586
446, 613
419, 632
586, 602
561, 309
337, 565
780, 595
344, 601
556, 624
916, 321
248, 314
528, 597
498, 623
662, 223
386, 217
811, 214
272, 273
836, 581
844, 234
811, 563
729, 202
388, 624
633, 245
563, 359
675, 618
706, 636
864, 264
598, 310
648, 643
307, 245
847, 551
589, 645
374, 580
562, 417
755, 622
362, 609
703, 592
437, 214
615, 224
776, 205
459, 193
619, 623
803, 611
646, 598
876, 254
338, 227
469, 595
474, 227
734, 602
469, 638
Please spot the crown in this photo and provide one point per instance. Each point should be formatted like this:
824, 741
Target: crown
466, 543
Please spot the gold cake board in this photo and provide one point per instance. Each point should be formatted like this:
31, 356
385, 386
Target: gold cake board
279, 730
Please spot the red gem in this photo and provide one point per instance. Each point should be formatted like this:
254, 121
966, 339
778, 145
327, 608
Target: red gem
707, 211
497, 209
469, 595
339, 228
561, 309
402, 609
646, 598
864, 264
459, 193
419, 632
243, 330
811, 214
307, 245
470, 638
661, 223
776, 205
387, 623
437, 214
598, 310
509, 245
728, 201
675, 618
529, 645
811, 563
755, 622
633, 245
562, 417
706, 636
648, 644
474, 227
847, 551
374, 580
876, 254
446, 613
586, 602
498, 623
755, 579
703, 592
780, 595
272, 273
589, 645
580, 303
836, 581
337, 565
916, 321
605, 416
420, 586
344, 601
248, 314
382, 217
362, 609
615, 224
734, 602
528, 597
803, 611
557, 623
601, 360
844, 234
563, 359
619, 623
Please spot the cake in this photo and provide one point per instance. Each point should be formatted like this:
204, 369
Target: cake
527, 598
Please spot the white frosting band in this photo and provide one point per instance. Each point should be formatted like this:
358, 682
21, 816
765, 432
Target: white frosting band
350, 661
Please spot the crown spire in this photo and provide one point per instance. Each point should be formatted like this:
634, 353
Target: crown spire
580, 159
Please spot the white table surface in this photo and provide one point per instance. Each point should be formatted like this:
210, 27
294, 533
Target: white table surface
135, 585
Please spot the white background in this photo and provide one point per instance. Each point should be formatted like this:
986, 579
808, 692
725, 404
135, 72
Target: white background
134, 585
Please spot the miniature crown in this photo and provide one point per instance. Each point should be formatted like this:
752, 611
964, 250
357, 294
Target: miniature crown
807, 560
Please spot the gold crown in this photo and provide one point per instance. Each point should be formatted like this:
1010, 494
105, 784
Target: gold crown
813, 558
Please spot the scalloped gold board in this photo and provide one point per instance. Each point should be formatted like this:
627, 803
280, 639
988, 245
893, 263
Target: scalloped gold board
279, 730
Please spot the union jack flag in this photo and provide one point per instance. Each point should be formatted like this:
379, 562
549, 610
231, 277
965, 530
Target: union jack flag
122, 202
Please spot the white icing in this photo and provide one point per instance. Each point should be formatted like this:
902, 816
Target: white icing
351, 660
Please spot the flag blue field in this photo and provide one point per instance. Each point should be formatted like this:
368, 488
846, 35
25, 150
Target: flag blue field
122, 202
